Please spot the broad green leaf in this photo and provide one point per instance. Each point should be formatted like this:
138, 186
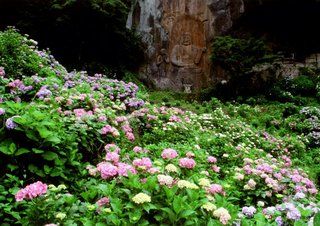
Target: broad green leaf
22, 151
44, 133
53, 139
316, 220
177, 205
300, 223
49, 155
186, 213
37, 151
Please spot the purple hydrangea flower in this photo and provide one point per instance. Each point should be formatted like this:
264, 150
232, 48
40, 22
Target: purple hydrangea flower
299, 195
279, 221
10, 124
43, 92
293, 214
249, 211
2, 111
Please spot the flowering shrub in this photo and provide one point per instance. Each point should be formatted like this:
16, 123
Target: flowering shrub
123, 159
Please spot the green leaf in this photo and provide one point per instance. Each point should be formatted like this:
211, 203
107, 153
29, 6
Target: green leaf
12, 148
53, 139
12, 167
260, 218
100, 224
149, 207
316, 220
186, 213
172, 216
49, 155
5, 147
32, 168
37, 151
135, 216
43, 132
300, 223
177, 205
22, 151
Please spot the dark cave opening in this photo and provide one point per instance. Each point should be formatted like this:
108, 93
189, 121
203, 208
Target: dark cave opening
288, 26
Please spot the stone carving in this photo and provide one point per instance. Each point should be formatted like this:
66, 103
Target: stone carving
178, 35
187, 57
161, 62
185, 54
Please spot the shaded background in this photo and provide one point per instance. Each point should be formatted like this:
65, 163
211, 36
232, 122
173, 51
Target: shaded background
82, 34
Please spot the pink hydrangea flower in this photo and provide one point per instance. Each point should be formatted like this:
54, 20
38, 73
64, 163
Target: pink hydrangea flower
142, 163
112, 148
215, 168
187, 163
169, 153
103, 202
112, 157
102, 118
79, 112
107, 129
2, 72
174, 118
216, 189
124, 168
31, 191
107, 170
138, 149
190, 154
212, 159
130, 136
153, 170
127, 128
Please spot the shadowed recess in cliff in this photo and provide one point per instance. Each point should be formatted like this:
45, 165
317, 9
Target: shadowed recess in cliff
291, 26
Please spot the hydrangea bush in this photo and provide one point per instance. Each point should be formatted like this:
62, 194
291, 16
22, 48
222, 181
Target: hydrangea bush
81, 149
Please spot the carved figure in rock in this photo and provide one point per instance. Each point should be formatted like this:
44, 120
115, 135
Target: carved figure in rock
161, 62
187, 57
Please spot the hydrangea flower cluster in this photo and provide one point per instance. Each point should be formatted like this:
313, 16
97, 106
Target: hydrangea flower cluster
18, 87
2, 111
10, 124
169, 153
31, 191
187, 163
276, 175
43, 93
141, 198
223, 215
249, 211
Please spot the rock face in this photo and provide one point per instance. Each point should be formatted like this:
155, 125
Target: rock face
177, 35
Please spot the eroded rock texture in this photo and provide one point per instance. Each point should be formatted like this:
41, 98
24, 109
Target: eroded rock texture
177, 35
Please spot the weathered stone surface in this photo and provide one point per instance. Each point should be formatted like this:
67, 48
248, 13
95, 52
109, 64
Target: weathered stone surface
177, 35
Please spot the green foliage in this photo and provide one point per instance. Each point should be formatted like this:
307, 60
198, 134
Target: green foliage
16, 55
239, 56
107, 148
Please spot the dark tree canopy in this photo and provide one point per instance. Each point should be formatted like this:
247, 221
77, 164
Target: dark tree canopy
82, 34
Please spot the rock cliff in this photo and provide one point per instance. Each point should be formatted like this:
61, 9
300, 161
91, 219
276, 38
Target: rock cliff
177, 35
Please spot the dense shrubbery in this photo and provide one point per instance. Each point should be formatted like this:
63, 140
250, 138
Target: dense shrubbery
86, 150
239, 58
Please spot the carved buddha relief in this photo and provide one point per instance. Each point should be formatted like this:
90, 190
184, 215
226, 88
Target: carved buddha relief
187, 50
176, 34
186, 54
